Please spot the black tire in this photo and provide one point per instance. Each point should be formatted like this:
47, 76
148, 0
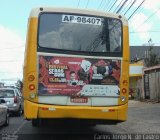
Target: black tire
92, 125
20, 112
35, 122
7, 119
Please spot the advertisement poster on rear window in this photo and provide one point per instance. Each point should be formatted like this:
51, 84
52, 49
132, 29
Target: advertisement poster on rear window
69, 76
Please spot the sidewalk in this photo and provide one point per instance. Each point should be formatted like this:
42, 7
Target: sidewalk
134, 103
150, 101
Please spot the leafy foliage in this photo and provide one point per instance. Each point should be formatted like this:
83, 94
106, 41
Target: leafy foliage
152, 59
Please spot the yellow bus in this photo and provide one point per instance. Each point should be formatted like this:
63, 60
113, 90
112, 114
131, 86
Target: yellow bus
76, 66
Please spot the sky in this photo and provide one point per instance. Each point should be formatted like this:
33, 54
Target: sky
143, 26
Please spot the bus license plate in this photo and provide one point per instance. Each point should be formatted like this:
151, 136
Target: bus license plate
79, 99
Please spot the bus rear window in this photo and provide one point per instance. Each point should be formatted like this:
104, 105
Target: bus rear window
79, 33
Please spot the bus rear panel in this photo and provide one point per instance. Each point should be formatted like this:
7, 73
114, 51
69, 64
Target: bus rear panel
76, 66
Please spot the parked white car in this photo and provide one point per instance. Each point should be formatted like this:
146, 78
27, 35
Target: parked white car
13, 99
4, 113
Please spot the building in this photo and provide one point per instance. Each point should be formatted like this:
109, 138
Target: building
1, 84
151, 83
137, 56
140, 52
135, 79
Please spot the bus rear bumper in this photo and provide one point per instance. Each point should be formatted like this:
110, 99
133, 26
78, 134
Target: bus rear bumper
42, 111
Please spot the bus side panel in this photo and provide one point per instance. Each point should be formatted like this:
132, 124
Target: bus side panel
123, 112
30, 68
30, 110
30, 62
124, 83
126, 50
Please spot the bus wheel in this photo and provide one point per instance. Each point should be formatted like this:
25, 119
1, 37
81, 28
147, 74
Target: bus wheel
35, 122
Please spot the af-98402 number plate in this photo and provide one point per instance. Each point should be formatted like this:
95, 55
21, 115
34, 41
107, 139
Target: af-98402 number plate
81, 19
79, 99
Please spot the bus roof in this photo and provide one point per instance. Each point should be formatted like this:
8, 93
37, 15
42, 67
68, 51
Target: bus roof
35, 12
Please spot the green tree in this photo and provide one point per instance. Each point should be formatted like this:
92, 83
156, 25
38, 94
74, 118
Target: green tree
151, 58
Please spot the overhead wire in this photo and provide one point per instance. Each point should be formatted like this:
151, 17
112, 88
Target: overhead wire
104, 4
12, 72
118, 5
112, 5
137, 13
87, 4
78, 3
148, 18
130, 7
8, 61
129, 2
107, 5
136, 10
121, 6
11, 48
100, 4
140, 9
144, 32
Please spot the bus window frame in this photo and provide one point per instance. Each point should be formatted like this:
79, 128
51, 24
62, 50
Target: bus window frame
64, 51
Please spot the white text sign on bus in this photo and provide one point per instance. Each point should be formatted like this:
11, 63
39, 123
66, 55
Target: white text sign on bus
81, 19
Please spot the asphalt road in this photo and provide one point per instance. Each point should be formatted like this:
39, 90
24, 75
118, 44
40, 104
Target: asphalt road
143, 118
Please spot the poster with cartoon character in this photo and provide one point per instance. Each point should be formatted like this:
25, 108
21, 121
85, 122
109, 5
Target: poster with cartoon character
59, 75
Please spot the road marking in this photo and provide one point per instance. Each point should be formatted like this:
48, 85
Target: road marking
15, 132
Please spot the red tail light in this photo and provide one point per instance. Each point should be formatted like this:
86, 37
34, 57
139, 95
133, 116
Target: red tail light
124, 91
32, 87
44, 108
111, 110
15, 99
